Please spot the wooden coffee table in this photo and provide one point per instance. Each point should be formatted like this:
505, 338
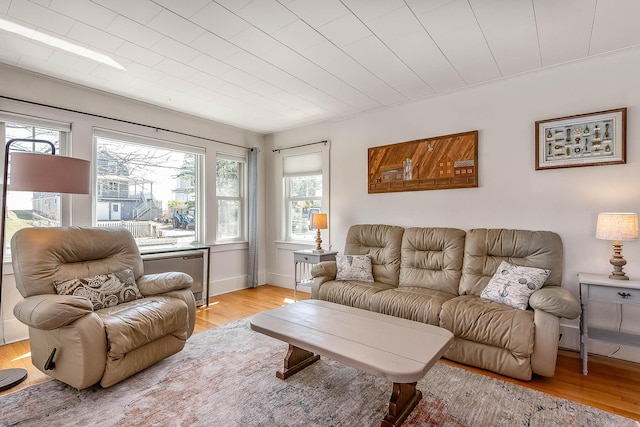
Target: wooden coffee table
399, 350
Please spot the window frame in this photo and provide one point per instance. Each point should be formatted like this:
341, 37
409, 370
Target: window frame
241, 198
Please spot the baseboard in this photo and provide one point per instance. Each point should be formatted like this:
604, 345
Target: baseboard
14, 331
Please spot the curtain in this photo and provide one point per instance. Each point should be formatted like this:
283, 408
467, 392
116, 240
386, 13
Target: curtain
252, 205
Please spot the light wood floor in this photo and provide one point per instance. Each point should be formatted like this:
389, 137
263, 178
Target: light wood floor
612, 385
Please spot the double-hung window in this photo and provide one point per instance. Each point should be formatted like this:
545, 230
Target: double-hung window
151, 187
303, 194
32, 209
230, 197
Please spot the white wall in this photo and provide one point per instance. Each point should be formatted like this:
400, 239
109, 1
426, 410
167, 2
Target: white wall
228, 263
511, 193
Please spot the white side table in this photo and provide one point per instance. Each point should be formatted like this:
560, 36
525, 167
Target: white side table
598, 287
304, 260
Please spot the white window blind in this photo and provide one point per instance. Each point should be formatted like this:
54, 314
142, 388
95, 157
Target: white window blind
303, 164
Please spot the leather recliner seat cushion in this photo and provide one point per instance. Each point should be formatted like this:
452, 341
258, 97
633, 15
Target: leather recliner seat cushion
352, 293
417, 304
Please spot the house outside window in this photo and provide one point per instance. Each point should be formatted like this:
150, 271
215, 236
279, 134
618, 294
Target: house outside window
230, 198
150, 187
32, 209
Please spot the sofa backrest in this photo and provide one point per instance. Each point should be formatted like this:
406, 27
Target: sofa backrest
432, 258
383, 243
485, 249
41, 256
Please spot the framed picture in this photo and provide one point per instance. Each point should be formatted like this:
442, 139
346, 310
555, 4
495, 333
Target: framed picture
582, 140
442, 162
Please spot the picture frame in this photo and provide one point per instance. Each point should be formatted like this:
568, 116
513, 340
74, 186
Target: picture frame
436, 163
592, 139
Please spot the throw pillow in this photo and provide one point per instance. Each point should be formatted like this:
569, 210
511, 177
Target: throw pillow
513, 284
103, 290
354, 267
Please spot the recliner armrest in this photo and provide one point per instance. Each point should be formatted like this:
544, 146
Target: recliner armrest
51, 311
325, 269
160, 283
555, 300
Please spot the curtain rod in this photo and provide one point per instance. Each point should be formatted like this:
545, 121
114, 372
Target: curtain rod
301, 145
124, 121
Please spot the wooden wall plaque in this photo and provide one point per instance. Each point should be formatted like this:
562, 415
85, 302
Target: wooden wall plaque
442, 162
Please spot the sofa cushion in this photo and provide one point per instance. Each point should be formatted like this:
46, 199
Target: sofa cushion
485, 249
432, 258
354, 267
383, 243
513, 285
474, 319
103, 290
351, 293
414, 303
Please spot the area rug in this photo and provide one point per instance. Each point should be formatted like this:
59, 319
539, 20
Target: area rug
226, 377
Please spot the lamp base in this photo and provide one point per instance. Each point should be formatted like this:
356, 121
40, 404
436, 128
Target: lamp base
618, 261
11, 377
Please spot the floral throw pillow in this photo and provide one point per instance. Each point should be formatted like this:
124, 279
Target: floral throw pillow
354, 267
513, 284
103, 290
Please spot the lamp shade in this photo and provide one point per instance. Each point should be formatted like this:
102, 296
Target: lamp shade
319, 221
47, 173
617, 226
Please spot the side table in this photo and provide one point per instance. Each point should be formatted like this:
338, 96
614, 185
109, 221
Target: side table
598, 287
304, 260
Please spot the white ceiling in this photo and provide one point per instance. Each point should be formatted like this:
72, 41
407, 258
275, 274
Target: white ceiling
268, 65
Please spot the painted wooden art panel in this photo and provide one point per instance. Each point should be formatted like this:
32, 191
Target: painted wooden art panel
442, 162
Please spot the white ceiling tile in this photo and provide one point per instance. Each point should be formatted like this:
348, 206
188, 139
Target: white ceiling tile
185, 9
263, 88
219, 21
255, 41
214, 46
176, 27
238, 77
175, 50
37, 64
44, 3
22, 46
82, 10
267, 15
78, 63
371, 9
510, 30
175, 83
145, 73
613, 30
4, 6
94, 37
298, 36
113, 76
207, 80
420, 7
133, 32
455, 30
139, 54
317, 13
175, 68
141, 11
40, 17
232, 5
246, 62
209, 65
423, 56
345, 30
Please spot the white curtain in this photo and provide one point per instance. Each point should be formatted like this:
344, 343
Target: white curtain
252, 202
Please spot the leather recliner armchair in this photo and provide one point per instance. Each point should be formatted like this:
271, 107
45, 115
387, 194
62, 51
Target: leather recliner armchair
72, 340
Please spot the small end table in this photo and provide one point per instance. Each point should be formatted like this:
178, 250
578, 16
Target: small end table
598, 287
303, 261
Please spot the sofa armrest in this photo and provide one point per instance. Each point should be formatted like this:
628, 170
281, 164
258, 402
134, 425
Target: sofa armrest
50, 311
327, 269
160, 283
555, 300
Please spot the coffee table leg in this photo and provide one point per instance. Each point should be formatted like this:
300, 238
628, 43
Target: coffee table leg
404, 398
296, 360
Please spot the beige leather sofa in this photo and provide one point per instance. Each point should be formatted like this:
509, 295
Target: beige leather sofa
105, 345
436, 276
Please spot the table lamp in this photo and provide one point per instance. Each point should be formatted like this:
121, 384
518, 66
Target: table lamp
617, 227
319, 222
41, 172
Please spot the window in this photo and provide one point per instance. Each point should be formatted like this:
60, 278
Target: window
303, 194
150, 187
32, 209
230, 198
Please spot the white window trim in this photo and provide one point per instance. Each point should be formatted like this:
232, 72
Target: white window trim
242, 198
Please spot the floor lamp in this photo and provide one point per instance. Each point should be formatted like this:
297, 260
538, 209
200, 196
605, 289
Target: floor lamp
40, 172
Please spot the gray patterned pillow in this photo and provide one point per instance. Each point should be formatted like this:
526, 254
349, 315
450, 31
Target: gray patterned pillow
103, 290
354, 267
513, 284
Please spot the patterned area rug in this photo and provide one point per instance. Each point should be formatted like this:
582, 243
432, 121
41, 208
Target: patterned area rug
226, 377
